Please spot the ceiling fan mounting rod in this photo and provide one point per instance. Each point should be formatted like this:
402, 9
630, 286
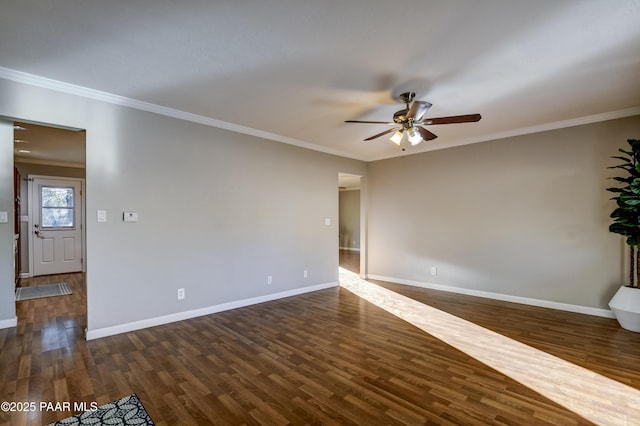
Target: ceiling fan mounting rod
407, 97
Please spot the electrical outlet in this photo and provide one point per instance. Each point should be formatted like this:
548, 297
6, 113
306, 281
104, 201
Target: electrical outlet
305, 273
434, 271
269, 279
181, 294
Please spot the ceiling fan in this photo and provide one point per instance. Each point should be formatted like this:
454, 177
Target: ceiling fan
411, 119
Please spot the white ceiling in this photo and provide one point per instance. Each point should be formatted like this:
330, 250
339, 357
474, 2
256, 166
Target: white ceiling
293, 70
48, 145
347, 182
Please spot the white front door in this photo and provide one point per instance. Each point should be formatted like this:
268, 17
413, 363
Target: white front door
56, 218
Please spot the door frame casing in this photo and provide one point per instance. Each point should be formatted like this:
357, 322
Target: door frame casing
364, 229
32, 213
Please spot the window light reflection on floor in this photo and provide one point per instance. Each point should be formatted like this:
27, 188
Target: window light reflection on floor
593, 396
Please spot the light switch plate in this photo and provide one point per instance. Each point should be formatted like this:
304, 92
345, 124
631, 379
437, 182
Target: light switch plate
327, 221
4, 217
102, 215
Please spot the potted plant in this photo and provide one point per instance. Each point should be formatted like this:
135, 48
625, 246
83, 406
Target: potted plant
625, 304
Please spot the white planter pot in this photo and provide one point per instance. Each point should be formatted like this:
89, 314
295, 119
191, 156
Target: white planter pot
625, 304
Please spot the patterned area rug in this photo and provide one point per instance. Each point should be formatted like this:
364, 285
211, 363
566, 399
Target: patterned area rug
125, 411
38, 291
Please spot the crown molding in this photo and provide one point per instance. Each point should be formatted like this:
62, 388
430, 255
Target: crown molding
85, 92
23, 160
578, 121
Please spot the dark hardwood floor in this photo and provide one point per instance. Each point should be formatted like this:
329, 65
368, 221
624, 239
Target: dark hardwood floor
326, 357
350, 260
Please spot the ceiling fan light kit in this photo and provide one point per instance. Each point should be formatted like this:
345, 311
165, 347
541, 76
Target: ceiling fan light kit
411, 119
397, 137
414, 136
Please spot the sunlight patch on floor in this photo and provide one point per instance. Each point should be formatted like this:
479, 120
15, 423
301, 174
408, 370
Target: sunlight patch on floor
593, 396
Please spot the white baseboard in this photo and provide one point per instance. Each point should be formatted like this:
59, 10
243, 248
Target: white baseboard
180, 316
9, 323
606, 313
25, 275
349, 248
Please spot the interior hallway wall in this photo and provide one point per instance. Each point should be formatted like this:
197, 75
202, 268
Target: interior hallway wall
7, 283
350, 219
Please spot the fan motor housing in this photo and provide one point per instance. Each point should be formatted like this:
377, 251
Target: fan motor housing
400, 116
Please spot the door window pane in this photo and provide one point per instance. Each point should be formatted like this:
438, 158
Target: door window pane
57, 197
57, 207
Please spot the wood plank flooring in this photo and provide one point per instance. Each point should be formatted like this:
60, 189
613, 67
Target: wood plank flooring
350, 260
326, 357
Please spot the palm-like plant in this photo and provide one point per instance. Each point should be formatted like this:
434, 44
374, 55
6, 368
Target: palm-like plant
626, 216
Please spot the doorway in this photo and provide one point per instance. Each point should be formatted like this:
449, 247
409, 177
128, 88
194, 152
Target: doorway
51, 163
352, 221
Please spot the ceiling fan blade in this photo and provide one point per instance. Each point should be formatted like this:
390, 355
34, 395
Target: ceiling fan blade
417, 110
382, 134
371, 122
426, 135
453, 119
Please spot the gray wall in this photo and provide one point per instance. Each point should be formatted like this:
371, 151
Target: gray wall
350, 219
525, 216
218, 211
7, 305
